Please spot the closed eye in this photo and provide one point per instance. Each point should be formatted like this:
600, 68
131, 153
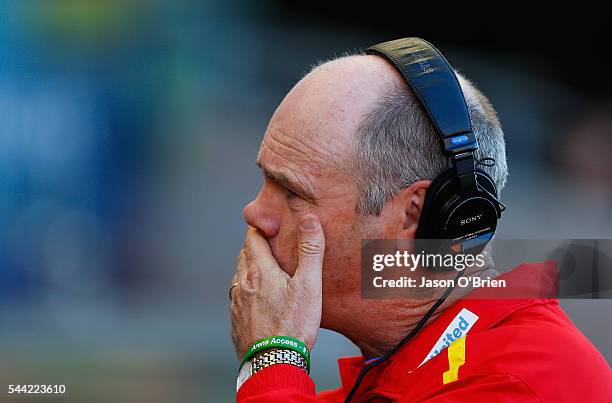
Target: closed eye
291, 194
283, 181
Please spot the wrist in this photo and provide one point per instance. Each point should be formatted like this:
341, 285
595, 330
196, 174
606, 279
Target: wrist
268, 358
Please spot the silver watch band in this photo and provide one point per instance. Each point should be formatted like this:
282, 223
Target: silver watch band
277, 356
266, 359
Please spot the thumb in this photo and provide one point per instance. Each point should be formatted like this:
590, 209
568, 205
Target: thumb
311, 248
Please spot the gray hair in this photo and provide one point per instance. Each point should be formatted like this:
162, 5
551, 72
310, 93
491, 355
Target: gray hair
396, 144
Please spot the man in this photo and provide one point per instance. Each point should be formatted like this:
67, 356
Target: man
349, 155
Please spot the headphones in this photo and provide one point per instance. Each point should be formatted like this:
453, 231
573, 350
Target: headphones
461, 207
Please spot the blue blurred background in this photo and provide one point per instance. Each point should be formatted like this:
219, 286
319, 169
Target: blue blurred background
128, 134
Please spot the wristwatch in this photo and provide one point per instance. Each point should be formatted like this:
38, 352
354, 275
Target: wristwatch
267, 358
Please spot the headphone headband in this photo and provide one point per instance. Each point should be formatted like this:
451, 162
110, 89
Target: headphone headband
433, 81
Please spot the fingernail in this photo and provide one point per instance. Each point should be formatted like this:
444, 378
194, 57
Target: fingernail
309, 223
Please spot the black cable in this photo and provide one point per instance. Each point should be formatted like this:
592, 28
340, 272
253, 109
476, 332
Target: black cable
490, 162
405, 340
502, 206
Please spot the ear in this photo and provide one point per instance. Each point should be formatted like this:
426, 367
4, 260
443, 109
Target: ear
413, 199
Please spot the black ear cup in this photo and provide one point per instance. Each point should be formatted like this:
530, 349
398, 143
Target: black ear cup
461, 221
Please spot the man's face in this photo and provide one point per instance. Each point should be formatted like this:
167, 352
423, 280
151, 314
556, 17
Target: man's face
305, 161
300, 176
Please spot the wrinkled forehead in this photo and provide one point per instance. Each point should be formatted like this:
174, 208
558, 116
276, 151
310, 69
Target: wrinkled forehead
303, 163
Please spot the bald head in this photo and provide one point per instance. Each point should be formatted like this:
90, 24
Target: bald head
361, 114
394, 143
331, 101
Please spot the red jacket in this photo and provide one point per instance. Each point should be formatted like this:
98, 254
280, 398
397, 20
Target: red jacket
502, 350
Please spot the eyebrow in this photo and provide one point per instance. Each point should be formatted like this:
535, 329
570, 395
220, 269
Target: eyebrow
283, 180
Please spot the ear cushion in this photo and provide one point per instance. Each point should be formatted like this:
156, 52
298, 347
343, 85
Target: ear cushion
442, 194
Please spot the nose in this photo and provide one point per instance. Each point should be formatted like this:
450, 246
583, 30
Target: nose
260, 215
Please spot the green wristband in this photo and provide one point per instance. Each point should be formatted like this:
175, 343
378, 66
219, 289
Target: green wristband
286, 342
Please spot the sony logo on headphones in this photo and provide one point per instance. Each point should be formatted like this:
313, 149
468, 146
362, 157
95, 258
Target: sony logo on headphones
471, 219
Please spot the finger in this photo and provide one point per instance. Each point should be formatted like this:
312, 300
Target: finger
246, 277
311, 249
233, 285
257, 251
241, 266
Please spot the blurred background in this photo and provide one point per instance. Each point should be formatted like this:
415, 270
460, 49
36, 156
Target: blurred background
128, 134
